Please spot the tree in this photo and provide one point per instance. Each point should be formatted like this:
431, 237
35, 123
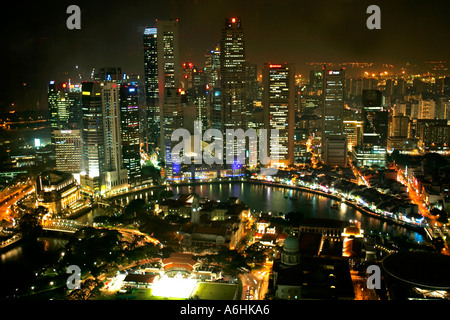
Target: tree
29, 226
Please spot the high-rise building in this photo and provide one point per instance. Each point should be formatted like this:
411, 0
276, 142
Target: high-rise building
212, 67
151, 135
427, 109
64, 104
279, 109
333, 102
129, 118
233, 75
162, 86
399, 131
233, 85
115, 173
93, 139
102, 147
372, 150
333, 136
68, 150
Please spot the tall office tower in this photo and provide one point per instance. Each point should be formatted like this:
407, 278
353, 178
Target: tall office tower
169, 89
93, 139
212, 67
171, 119
375, 131
57, 106
129, 118
152, 132
253, 90
372, 150
215, 102
162, 82
193, 84
213, 93
233, 86
64, 104
334, 145
316, 82
233, 75
279, 109
68, 150
115, 173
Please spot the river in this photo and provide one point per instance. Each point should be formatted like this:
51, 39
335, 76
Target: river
18, 262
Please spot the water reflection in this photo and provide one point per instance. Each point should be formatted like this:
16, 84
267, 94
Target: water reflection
269, 198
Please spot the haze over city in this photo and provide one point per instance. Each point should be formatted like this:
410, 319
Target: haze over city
38, 47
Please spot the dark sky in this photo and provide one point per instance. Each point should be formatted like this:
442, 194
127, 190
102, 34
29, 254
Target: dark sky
38, 47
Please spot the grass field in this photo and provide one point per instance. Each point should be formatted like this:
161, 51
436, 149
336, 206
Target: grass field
215, 291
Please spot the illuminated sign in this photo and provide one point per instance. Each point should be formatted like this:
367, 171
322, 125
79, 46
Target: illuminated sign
233, 20
52, 82
131, 89
150, 31
334, 72
274, 65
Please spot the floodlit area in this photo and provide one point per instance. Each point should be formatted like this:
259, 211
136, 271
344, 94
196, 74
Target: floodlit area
174, 287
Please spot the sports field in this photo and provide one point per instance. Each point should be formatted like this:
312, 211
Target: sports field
215, 291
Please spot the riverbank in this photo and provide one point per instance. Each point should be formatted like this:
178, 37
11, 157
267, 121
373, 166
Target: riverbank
412, 227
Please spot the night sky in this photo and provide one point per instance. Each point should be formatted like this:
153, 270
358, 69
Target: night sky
38, 47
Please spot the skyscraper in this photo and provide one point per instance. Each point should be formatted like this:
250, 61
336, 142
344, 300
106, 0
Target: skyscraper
334, 145
233, 75
233, 85
115, 173
372, 150
68, 150
333, 103
93, 139
129, 117
162, 81
152, 133
375, 130
279, 109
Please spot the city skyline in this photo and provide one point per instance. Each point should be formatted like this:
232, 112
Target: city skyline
41, 48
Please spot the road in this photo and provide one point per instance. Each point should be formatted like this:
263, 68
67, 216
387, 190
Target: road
256, 283
18, 194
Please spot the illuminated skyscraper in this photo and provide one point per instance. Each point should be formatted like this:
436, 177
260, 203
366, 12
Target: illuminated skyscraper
162, 81
279, 109
64, 104
129, 117
333, 103
152, 133
233, 86
68, 150
115, 173
334, 145
233, 75
93, 139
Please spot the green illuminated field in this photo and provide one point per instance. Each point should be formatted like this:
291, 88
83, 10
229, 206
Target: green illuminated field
215, 291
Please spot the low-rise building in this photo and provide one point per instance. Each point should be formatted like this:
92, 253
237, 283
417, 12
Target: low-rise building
56, 191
